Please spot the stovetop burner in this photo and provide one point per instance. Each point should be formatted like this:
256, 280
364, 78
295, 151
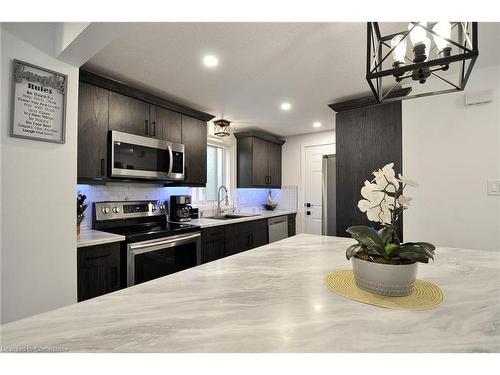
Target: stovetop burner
137, 221
150, 231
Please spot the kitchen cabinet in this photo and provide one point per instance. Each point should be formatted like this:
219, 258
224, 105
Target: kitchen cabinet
258, 160
377, 151
92, 132
105, 104
260, 233
165, 124
98, 270
224, 240
134, 116
274, 164
194, 138
128, 115
238, 238
292, 225
213, 243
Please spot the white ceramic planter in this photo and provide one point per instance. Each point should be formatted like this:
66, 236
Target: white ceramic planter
384, 279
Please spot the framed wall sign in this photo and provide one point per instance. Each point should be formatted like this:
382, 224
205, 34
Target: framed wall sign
39, 103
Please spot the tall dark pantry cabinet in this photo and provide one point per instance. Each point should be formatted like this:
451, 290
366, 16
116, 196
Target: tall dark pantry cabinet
367, 138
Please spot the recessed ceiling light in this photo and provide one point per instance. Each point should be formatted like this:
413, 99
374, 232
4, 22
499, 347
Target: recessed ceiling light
317, 124
211, 61
286, 106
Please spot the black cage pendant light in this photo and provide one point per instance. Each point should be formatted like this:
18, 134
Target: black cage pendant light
448, 58
221, 128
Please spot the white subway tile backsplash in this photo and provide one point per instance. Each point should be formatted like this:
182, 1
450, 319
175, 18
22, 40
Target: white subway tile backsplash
244, 200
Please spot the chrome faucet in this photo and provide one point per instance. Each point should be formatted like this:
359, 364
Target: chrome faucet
220, 200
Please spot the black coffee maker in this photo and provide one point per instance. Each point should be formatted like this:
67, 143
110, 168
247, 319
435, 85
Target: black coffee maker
180, 208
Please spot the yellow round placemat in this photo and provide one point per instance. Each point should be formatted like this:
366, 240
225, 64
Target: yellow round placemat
425, 295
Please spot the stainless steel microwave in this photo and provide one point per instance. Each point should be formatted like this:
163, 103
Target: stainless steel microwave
134, 156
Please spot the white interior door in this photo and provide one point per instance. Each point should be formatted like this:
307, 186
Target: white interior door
313, 186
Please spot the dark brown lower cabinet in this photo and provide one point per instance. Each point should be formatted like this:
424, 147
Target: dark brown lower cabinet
260, 233
98, 270
292, 231
238, 238
213, 243
224, 240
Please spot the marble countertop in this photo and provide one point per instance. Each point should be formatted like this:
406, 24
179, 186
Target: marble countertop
274, 299
91, 237
206, 222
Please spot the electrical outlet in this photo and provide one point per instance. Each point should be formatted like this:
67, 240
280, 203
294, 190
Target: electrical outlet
493, 187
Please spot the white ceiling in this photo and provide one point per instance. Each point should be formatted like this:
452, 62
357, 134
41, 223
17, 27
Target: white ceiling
260, 65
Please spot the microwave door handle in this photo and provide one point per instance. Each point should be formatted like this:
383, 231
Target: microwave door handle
171, 156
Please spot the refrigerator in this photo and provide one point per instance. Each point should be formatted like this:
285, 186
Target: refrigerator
329, 216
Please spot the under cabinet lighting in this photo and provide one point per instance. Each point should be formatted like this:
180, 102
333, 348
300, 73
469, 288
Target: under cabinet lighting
317, 124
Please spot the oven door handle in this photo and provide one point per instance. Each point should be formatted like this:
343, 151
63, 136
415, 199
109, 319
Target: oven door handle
140, 248
171, 156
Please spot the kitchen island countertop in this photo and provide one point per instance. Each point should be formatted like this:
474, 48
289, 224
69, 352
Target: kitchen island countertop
274, 299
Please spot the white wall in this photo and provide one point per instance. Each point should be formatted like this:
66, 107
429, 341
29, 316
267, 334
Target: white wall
38, 239
452, 150
292, 160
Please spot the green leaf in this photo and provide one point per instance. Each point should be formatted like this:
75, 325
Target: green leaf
414, 257
412, 248
353, 250
386, 234
416, 248
390, 247
427, 245
366, 236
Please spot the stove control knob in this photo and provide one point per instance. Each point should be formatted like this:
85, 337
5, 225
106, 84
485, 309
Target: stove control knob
153, 207
116, 209
105, 210
162, 207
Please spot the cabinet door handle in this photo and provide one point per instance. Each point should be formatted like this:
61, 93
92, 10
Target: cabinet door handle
153, 125
146, 130
102, 167
270, 180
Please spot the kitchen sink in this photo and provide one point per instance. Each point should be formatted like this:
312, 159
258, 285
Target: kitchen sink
232, 216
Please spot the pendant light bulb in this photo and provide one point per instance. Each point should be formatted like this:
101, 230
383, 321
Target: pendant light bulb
399, 52
443, 29
418, 35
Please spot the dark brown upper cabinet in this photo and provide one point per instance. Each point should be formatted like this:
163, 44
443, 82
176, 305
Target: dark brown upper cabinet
92, 131
165, 124
128, 115
194, 138
105, 104
259, 160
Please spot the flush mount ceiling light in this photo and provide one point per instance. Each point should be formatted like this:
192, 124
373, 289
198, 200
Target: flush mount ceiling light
452, 43
285, 106
317, 124
221, 128
210, 61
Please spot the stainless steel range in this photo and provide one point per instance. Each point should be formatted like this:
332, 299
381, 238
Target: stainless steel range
153, 247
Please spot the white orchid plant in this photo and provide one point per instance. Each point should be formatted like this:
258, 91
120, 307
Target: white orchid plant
384, 203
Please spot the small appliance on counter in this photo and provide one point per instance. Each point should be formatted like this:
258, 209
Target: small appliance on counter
180, 208
153, 247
